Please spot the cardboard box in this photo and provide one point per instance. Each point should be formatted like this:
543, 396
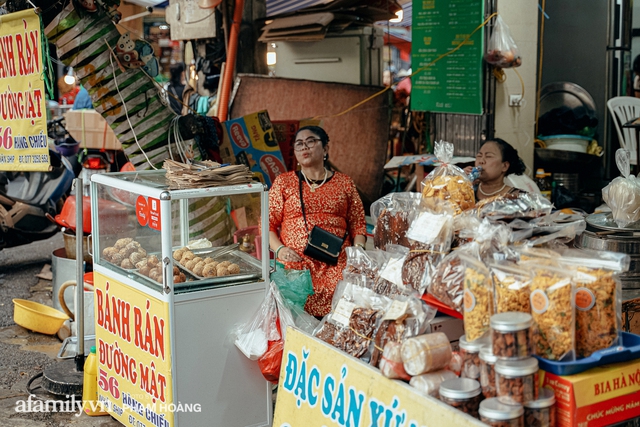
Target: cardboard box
91, 130
254, 144
452, 327
598, 397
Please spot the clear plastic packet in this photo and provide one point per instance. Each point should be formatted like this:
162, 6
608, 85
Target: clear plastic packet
510, 206
353, 320
553, 311
511, 288
491, 239
406, 317
429, 384
430, 235
360, 261
391, 362
541, 256
478, 298
252, 338
501, 49
622, 194
447, 285
391, 216
447, 181
598, 297
291, 314
389, 281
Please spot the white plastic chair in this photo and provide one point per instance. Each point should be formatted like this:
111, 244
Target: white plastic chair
623, 109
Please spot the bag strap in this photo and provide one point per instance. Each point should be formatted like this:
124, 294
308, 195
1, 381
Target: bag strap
304, 215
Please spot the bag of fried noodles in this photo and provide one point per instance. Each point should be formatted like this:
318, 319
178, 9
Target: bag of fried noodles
447, 181
622, 194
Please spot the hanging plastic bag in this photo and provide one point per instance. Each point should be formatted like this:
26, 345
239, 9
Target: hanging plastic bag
447, 181
501, 49
294, 285
391, 215
622, 194
253, 337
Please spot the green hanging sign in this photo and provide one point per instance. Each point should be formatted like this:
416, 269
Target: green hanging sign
454, 83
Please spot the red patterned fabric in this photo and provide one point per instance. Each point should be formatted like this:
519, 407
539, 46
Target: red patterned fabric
335, 207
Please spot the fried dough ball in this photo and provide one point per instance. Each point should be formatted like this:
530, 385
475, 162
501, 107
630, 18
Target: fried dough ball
141, 263
142, 251
176, 279
197, 259
222, 271
136, 257
116, 258
183, 278
155, 274
177, 254
233, 268
190, 264
209, 260
209, 270
153, 260
121, 243
214, 265
176, 270
144, 270
198, 268
127, 264
225, 263
187, 256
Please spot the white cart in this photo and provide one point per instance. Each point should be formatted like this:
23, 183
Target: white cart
164, 351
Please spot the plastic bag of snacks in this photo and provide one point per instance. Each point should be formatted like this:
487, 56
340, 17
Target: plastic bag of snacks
389, 281
501, 49
598, 297
360, 261
391, 216
354, 317
553, 311
510, 287
447, 181
622, 194
430, 235
478, 298
406, 317
510, 206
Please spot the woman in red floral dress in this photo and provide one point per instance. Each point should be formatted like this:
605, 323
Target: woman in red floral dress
331, 202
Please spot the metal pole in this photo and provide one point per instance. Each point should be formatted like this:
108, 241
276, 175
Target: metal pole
79, 275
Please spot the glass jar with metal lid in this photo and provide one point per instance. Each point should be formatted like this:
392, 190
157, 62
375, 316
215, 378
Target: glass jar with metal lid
498, 414
470, 352
517, 380
487, 371
512, 336
542, 411
464, 394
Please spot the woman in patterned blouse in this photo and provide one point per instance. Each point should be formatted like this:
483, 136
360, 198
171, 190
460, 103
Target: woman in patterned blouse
331, 202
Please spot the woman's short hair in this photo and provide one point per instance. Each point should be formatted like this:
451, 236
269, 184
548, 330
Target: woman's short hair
509, 154
317, 131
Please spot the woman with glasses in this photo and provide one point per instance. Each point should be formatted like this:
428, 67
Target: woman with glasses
331, 202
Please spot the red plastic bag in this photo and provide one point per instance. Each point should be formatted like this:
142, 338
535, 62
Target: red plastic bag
270, 362
501, 49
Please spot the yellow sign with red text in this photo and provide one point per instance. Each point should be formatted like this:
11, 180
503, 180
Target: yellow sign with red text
23, 118
322, 386
134, 359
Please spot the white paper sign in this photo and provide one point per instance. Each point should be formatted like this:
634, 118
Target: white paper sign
393, 271
426, 227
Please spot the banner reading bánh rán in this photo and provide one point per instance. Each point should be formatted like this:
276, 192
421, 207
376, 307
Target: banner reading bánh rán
23, 118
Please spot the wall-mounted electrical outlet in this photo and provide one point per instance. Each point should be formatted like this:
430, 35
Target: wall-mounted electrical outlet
515, 100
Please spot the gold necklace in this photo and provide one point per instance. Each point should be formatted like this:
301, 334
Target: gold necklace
315, 186
490, 194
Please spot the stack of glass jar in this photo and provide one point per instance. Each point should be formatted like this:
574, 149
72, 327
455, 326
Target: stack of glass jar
509, 360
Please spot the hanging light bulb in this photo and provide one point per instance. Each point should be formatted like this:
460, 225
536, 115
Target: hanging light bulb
70, 78
399, 16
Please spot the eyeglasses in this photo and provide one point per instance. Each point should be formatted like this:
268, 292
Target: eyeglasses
309, 143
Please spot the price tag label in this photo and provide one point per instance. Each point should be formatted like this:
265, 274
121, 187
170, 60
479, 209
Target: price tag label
397, 310
343, 311
426, 227
393, 271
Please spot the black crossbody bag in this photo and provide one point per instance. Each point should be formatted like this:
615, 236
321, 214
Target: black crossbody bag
322, 245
